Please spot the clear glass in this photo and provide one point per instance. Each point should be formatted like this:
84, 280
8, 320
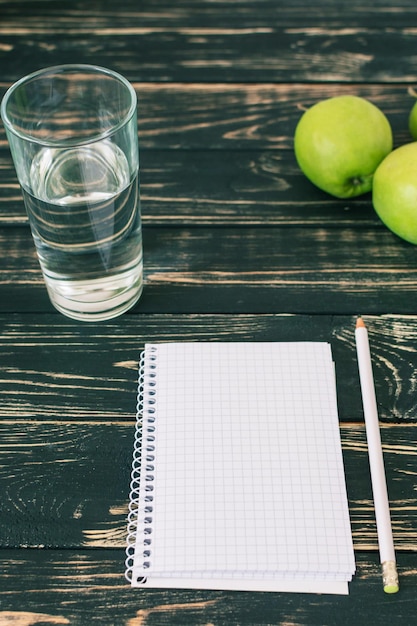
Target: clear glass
72, 132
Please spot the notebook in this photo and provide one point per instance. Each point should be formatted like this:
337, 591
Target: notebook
237, 479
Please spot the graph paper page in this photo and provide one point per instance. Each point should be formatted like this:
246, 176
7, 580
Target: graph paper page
245, 468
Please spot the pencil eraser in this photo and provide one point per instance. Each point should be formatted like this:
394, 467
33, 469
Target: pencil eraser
390, 577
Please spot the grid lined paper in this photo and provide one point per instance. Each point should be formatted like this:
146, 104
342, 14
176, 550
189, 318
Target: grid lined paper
242, 482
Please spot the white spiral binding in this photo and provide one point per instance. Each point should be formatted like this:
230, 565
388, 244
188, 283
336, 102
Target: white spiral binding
141, 486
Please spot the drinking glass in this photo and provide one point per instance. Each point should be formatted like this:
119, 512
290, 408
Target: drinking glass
72, 132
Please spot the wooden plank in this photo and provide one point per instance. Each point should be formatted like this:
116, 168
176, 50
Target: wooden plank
260, 115
42, 376
88, 587
315, 270
66, 484
238, 116
292, 269
208, 41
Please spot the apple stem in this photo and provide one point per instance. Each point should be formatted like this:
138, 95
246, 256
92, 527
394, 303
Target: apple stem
412, 92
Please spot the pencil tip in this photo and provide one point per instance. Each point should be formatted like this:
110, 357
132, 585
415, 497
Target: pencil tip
360, 323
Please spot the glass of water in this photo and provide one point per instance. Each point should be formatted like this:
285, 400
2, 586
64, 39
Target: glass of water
72, 131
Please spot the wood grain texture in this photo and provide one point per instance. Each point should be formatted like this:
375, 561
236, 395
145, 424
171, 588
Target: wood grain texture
89, 588
67, 483
209, 41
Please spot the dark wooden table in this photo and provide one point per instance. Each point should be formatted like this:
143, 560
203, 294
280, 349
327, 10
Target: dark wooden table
238, 246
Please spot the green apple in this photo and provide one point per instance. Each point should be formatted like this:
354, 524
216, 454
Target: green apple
394, 192
339, 142
412, 122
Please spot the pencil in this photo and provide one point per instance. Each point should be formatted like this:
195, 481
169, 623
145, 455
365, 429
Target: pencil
376, 461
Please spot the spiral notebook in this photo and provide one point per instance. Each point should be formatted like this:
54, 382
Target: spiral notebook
238, 479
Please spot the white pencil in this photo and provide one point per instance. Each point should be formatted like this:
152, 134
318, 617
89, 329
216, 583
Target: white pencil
376, 461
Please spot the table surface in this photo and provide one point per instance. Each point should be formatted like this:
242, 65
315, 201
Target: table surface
238, 245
